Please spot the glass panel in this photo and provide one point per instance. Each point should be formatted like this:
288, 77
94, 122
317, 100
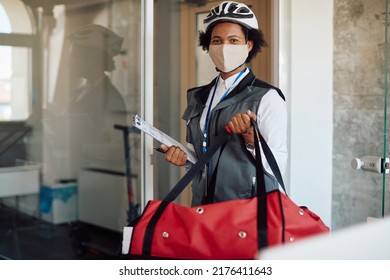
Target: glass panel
93, 87
84, 80
360, 45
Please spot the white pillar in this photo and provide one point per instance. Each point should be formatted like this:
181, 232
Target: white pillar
306, 77
147, 97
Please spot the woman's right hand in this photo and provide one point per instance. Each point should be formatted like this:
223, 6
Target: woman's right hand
174, 155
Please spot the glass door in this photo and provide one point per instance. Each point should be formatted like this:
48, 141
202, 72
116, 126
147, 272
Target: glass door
73, 75
77, 91
360, 112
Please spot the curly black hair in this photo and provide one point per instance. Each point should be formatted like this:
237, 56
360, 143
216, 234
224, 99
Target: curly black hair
254, 35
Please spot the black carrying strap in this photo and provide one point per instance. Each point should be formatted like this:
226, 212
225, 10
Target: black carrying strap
187, 178
262, 226
269, 156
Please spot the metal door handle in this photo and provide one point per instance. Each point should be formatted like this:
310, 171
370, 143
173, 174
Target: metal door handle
371, 164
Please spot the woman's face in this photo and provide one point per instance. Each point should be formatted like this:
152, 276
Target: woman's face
228, 48
229, 33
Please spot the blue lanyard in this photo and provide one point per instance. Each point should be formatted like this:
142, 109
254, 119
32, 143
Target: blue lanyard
204, 148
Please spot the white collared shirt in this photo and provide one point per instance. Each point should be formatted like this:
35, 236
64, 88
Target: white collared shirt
223, 86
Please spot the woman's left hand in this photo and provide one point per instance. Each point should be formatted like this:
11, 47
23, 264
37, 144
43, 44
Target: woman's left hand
241, 124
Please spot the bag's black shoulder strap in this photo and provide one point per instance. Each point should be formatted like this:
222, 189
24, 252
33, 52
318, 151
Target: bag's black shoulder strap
270, 157
197, 167
272, 162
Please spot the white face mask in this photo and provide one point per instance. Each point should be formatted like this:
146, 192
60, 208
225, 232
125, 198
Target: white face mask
228, 57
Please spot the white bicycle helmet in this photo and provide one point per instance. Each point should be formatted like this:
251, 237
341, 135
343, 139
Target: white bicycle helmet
231, 11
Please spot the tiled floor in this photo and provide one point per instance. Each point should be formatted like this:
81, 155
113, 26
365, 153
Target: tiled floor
26, 238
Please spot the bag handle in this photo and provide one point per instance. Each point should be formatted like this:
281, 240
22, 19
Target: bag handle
269, 156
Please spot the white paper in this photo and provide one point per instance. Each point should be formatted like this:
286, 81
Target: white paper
161, 136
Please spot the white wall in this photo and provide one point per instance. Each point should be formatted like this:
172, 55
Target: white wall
306, 37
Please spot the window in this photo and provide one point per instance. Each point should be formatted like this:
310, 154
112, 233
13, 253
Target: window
15, 73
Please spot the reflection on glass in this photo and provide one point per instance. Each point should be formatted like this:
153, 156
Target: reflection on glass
67, 88
95, 104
